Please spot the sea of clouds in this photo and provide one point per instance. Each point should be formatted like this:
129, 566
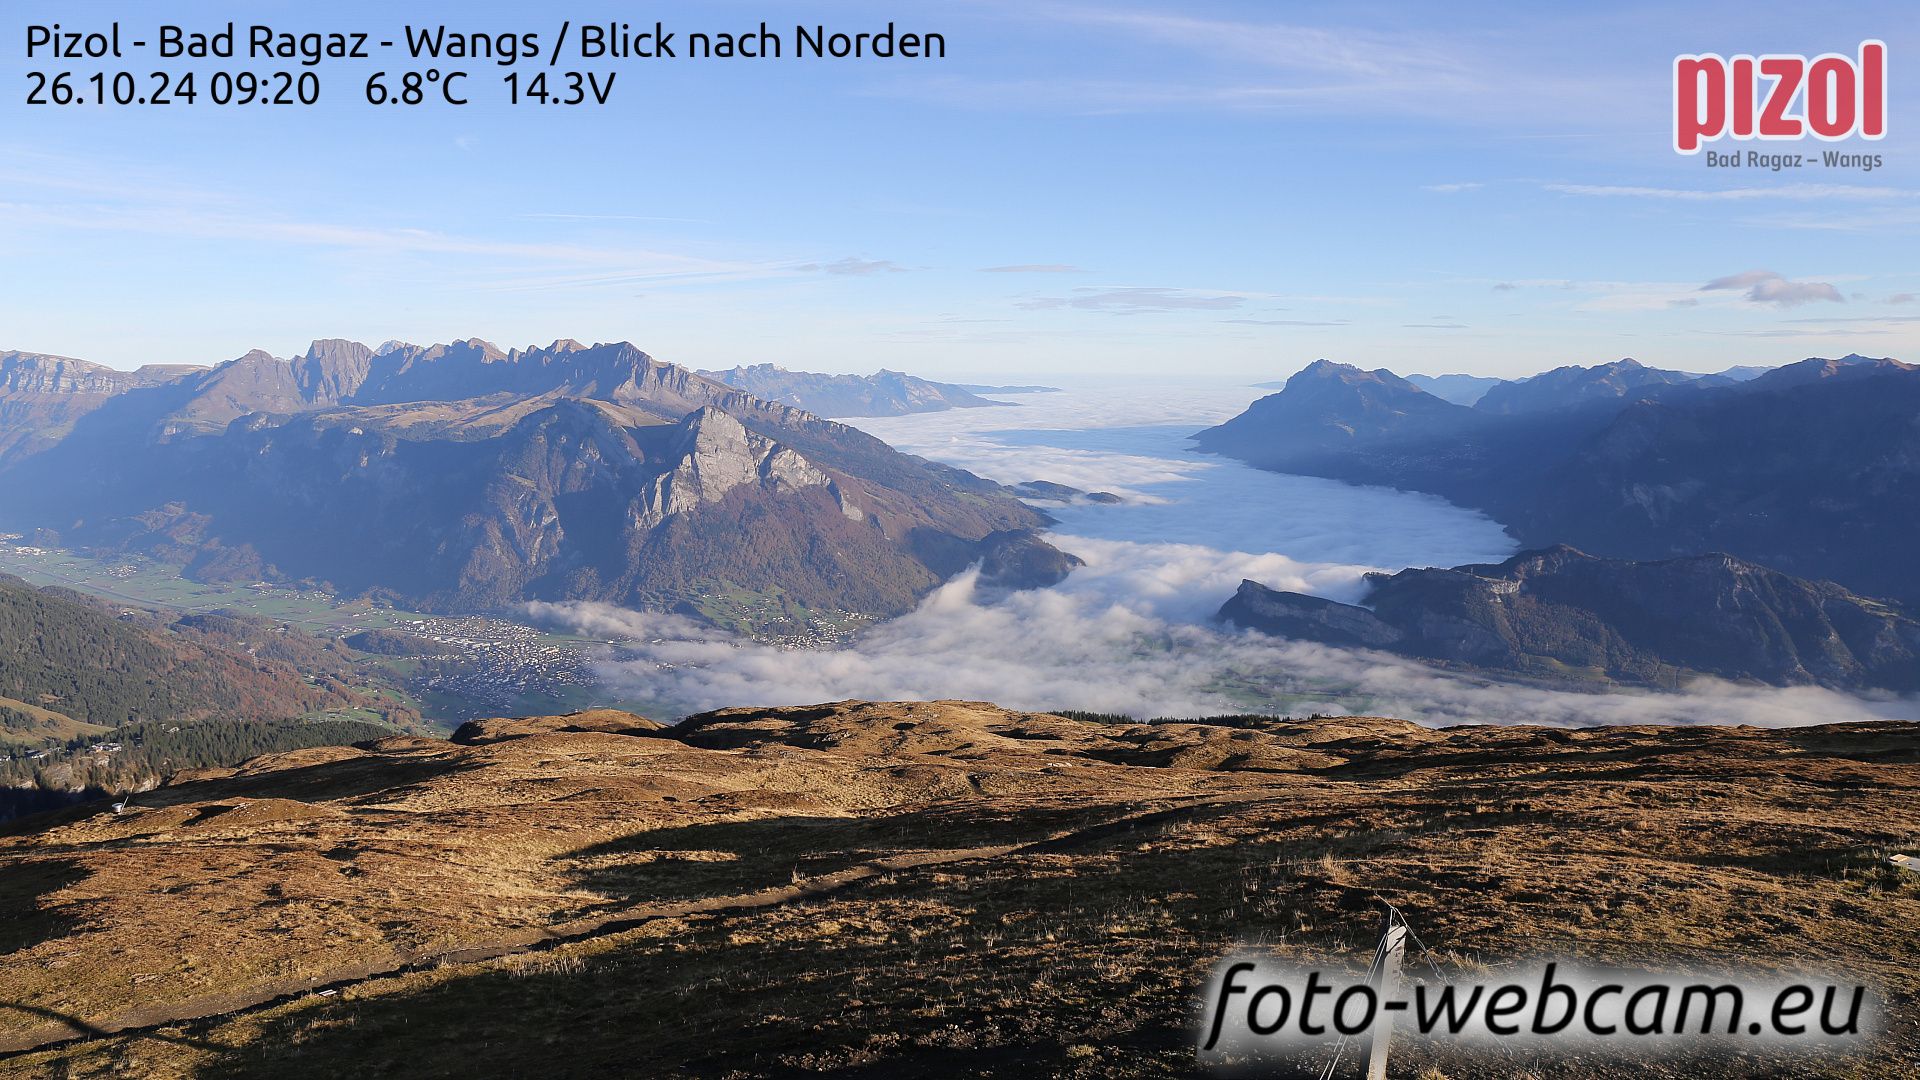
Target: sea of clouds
1131, 632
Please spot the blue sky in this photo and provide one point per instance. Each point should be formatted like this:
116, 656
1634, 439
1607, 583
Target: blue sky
1191, 190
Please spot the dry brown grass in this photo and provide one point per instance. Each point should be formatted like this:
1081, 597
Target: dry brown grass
1079, 956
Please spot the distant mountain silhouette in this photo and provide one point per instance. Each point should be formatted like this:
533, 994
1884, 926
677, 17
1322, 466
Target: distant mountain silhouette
884, 393
1331, 409
1459, 389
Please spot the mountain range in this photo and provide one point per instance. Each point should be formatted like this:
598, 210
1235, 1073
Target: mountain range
466, 477
1561, 613
1459, 389
41, 395
1469, 389
883, 393
1812, 468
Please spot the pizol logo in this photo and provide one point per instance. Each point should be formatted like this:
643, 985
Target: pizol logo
1779, 96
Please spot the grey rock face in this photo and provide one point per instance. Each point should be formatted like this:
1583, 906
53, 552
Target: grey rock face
41, 395
715, 454
333, 370
1310, 618
24, 373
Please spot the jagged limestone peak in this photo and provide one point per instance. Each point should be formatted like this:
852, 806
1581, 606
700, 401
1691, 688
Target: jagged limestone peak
711, 454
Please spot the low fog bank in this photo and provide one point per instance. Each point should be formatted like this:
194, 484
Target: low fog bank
1080, 649
1132, 631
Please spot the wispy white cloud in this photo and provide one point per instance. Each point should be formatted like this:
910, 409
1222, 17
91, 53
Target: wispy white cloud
1106, 645
852, 266
1768, 287
1860, 319
615, 217
63, 195
1131, 300
1785, 332
1621, 297
1796, 191
632, 264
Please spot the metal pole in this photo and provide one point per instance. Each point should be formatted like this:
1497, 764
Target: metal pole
1386, 984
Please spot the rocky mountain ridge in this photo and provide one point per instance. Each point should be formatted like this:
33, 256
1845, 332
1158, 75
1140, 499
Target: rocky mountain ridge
41, 396
1812, 468
1561, 613
466, 477
1573, 386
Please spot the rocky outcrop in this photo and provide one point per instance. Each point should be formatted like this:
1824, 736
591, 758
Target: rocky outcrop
257, 382
1020, 559
1562, 613
39, 373
42, 396
332, 371
1307, 618
712, 454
